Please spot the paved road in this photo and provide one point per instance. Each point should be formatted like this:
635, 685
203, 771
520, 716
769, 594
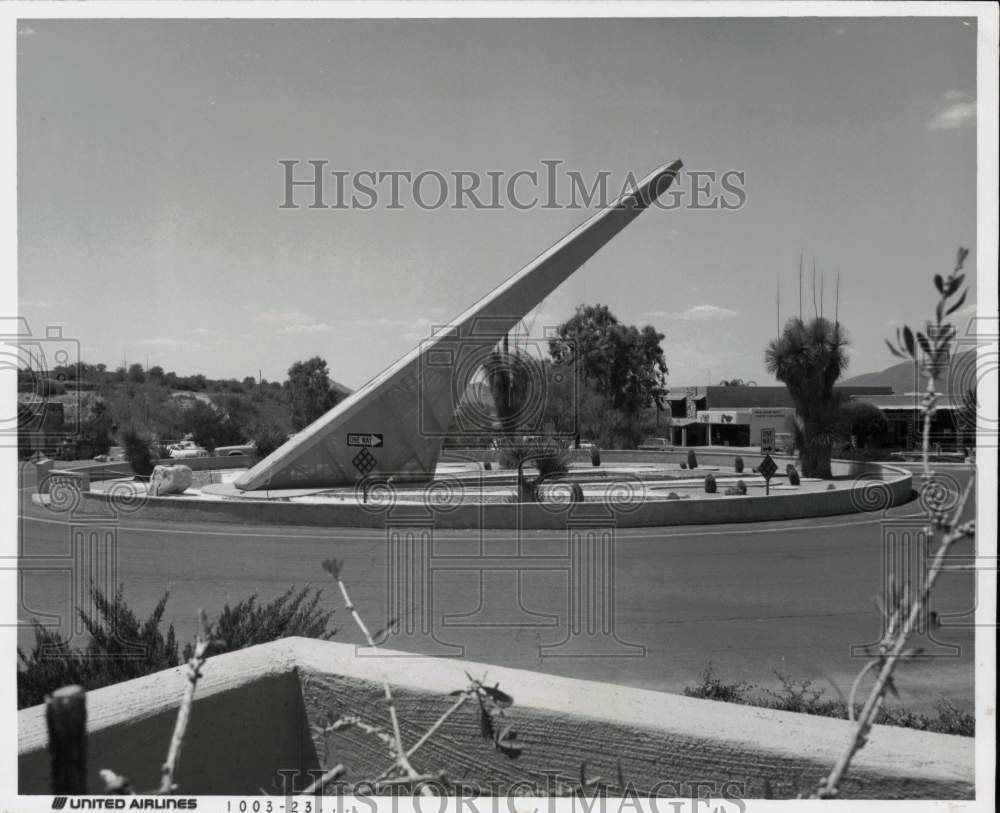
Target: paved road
751, 599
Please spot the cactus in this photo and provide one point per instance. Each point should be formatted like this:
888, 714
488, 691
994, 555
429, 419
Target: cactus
692, 460
741, 487
738, 465
595, 456
710, 484
793, 475
684, 465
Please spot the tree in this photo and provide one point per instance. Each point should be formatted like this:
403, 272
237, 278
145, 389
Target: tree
309, 392
622, 364
809, 359
865, 422
136, 375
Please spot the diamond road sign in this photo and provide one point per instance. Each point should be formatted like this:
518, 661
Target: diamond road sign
364, 462
767, 467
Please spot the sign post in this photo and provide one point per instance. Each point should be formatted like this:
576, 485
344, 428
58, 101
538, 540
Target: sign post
767, 468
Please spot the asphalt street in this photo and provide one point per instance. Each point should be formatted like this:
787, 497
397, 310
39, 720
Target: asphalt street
751, 599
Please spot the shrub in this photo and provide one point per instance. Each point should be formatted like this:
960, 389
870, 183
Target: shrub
710, 484
692, 461
673, 495
137, 452
595, 456
738, 465
266, 439
122, 647
684, 465
247, 623
730, 492
711, 687
487, 466
741, 487
793, 475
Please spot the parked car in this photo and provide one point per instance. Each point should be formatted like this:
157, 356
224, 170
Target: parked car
186, 449
654, 445
247, 449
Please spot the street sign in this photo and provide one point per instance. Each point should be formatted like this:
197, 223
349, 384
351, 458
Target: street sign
767, 468
767, 439
364, 439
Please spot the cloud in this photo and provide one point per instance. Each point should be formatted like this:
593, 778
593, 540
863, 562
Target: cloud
305, 328
696, 313
960, 111
285, 317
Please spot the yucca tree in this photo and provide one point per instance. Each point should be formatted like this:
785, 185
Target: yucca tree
809, 359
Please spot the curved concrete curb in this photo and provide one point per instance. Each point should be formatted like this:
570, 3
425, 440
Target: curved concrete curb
877, 487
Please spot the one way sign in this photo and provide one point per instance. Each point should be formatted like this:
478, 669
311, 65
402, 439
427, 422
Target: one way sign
366, 439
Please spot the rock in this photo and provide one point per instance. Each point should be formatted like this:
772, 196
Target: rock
169, 480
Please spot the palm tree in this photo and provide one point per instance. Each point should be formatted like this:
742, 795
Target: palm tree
809, 359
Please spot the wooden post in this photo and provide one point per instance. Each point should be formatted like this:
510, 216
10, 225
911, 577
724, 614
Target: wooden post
66, 718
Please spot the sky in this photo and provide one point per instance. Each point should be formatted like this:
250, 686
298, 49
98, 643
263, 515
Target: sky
150, 224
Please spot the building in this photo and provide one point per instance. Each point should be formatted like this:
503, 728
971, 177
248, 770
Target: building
736, 416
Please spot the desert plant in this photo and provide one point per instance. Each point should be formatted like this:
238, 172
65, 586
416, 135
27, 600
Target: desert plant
138, 452
247, 623
492, 718
710, 487
692, 461
684, 465
121, 647
711, 687
738, 464
595, 455
793, 475
741, 487
267, 439
809, 359
904, 608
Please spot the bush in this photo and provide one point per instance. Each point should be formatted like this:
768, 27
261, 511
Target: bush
738, 465
684, 465
266, 439
121, 647
137, 452
710, 484
741, 487
692, 460
793, 475
711, 687
730, 492
248, 623
595, 456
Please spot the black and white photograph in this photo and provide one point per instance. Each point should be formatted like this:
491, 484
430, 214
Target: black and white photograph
498, 406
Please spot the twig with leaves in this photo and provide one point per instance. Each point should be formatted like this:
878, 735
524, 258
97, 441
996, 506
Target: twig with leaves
116, 783
493, 724
902, 610
334, 567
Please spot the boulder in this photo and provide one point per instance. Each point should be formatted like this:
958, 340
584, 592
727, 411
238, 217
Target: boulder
169, 480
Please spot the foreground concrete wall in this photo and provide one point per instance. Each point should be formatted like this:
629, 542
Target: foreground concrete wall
258, 709
248, 722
